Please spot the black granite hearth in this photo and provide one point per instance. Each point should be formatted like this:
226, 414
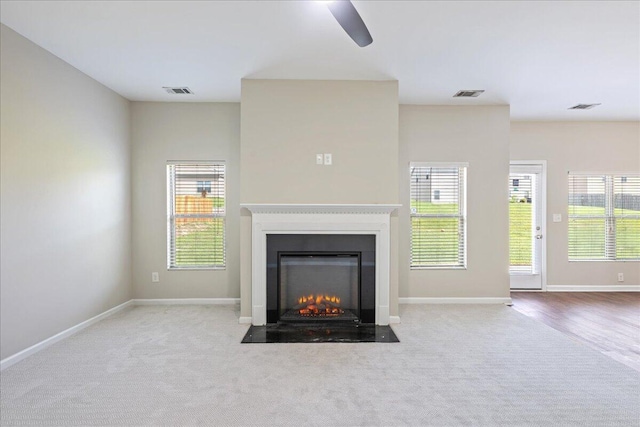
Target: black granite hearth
319, 332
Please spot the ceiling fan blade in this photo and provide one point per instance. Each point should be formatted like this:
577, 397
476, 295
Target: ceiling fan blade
349, 18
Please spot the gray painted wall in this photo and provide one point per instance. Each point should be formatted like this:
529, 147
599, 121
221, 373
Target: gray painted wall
285, 123
181, 131
478, 135
577, 147
65, 196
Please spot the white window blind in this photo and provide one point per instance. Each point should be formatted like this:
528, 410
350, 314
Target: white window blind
604, 217
196, 208
438, 215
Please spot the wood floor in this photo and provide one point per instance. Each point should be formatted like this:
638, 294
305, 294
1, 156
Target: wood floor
607, 321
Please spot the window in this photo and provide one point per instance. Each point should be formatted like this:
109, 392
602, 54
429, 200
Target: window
204, 186
604, 217
195, 215
438, 215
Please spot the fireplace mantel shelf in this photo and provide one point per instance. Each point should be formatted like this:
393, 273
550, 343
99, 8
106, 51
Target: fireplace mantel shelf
284, 208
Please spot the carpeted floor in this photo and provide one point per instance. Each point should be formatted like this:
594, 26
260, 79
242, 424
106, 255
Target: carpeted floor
455, 365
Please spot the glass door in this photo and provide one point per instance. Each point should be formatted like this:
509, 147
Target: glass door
526, 234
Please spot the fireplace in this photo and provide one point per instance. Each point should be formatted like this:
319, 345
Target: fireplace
271, 221
319, 286
321, 277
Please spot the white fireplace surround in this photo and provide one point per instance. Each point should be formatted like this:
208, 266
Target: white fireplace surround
372, 219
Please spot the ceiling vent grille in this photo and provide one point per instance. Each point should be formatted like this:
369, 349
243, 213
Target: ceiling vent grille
178, 90
583, 106
468, 94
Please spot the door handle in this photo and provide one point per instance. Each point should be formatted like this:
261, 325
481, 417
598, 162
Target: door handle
538, 236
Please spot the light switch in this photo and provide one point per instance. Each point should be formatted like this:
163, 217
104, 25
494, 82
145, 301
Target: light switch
319, 159
327, 159
557, 217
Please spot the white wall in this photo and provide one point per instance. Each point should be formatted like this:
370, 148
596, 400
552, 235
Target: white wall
578, 147
181, 131
478, 135
65, 196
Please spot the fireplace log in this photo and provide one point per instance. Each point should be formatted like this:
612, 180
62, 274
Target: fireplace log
319, 303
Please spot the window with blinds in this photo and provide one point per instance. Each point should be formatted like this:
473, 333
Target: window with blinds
438, 215
196, 215
604, 217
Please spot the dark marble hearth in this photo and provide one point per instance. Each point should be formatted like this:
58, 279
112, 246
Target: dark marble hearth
318, 332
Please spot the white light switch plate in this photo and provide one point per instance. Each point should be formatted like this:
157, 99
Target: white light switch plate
319, 159
557, 217
327, 159
155, 277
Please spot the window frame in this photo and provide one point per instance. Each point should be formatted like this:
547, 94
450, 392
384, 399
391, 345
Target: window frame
461, 215
609, 216
172, 216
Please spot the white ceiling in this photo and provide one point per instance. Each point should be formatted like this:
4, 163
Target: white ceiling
541, 57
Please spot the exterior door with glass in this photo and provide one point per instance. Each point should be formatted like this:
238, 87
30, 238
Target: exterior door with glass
526, 225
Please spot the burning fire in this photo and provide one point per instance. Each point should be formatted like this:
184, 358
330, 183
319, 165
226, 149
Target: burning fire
319, 305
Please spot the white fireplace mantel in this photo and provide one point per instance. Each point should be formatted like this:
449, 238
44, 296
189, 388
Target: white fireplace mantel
263, 208
267, 219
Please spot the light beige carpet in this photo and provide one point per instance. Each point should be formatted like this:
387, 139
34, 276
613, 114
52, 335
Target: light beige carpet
455, 365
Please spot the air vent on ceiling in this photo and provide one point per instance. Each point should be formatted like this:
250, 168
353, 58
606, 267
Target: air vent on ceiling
583, 106
179, 90
468, 94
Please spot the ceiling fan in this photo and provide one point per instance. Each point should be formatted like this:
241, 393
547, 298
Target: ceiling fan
350, 20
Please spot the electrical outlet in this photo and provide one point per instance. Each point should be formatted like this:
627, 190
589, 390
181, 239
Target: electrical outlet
620, 277
557, 217
327, 159
155, 277
319, 159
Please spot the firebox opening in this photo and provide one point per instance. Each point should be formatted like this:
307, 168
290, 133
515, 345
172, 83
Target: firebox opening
316, 286
349, 259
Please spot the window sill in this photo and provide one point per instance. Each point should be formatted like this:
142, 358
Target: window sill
195, 268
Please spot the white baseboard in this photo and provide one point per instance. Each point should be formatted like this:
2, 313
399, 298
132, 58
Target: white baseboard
593, 288
394, 320
471, 300
187, 301
244, 320
12, 360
